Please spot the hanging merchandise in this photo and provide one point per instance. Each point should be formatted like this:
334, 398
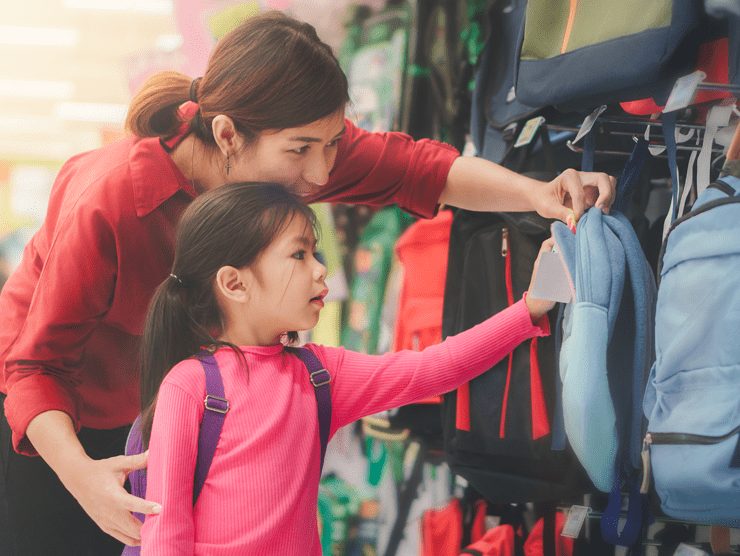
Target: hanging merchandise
498, 541
606, 353
497, 428
377, 67
495, 105
692, 396
339, 508
576, 55
372, 261
441, 530
534, 545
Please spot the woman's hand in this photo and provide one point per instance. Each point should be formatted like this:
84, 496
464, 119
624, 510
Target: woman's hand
577, 191
98, 486
539, 307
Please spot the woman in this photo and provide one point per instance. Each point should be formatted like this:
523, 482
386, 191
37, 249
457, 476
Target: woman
270, 107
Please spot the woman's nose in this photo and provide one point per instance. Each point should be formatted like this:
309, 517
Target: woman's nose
317, 170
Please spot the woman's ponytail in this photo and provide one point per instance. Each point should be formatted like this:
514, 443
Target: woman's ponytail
153, 111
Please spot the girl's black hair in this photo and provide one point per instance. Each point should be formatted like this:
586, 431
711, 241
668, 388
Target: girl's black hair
228, 226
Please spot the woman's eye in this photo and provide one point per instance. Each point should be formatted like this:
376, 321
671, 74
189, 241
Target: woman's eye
302, 150
334, 143
300, 255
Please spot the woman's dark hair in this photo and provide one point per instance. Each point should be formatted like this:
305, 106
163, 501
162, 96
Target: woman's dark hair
227, 226
270, 72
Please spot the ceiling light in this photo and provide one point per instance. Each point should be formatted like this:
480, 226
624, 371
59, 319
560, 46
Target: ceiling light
141, 6
91, 112
27, 88
168, 43
12, 34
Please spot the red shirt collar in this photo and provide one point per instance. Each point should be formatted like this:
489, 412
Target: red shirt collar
155, 177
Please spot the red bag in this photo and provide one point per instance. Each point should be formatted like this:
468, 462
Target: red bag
712, 60
441, 531
498, 541
563, 545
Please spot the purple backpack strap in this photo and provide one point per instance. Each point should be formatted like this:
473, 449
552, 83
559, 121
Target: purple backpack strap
210, 432
320, 378
211, 424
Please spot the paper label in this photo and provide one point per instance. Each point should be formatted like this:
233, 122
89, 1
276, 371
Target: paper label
589, 122
574, 521
551, 281
688, 550
683, 91
528, 132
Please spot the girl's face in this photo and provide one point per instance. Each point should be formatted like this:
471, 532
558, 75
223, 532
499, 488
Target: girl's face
288, 288
299, 157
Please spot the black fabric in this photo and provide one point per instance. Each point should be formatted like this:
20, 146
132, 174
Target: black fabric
516, 468
38, 516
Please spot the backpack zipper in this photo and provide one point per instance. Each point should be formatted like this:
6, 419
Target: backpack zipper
675, 439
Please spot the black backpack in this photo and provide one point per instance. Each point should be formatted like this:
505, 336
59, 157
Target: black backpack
490, 264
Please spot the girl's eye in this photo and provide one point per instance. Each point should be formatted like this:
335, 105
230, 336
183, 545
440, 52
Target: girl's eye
300, 255
302, 150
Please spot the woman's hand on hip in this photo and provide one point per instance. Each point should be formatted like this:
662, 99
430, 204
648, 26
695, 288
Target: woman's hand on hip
576, 191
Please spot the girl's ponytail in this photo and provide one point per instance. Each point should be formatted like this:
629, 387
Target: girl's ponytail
170, 336
153, 112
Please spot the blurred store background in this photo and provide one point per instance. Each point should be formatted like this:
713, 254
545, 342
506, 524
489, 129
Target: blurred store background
68, 69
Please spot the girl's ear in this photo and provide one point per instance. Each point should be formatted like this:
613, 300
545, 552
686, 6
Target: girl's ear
233, 284
224, 132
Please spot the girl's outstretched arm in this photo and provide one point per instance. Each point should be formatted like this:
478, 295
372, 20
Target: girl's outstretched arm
366, 384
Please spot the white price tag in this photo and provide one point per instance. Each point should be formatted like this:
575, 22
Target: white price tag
551, 281
684, 91
574, 521
528, 131
589, 122
688, 550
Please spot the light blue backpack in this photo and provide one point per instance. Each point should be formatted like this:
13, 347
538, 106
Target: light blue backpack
692, 400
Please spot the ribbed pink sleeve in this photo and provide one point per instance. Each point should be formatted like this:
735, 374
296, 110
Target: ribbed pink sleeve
366, 384
260, 496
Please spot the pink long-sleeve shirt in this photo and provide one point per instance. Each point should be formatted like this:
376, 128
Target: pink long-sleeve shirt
260, 496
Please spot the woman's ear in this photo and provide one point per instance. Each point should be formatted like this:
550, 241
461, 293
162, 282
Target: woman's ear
224, 132
233, 284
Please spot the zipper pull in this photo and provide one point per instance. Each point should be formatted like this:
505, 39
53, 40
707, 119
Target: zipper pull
646, 443
504, 242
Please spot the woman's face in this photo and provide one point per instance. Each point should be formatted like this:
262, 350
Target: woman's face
299, 157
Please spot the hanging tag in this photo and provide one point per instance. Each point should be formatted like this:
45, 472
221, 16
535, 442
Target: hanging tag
645, 486
684, 91
688, 550
589, 122
551, 281
574, 521
528, 132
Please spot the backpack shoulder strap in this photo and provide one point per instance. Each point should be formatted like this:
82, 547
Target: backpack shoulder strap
320, 378
216, 407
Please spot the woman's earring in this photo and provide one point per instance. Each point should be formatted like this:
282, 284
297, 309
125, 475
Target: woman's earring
228, 166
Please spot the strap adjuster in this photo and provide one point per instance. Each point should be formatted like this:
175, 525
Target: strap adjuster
319, 381
222, 407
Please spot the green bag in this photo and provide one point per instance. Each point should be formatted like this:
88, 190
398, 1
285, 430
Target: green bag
577, 54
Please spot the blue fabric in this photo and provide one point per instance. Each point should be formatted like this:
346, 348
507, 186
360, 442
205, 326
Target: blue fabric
669, 134
606, 351
630, 175
694, 385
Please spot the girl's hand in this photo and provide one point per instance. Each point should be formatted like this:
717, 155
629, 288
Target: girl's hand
539, 307
98, 487
574, 190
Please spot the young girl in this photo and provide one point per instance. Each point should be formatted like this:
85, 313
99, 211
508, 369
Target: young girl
245, 278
